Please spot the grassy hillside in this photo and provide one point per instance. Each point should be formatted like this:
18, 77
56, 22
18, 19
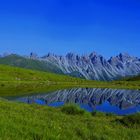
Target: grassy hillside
8, 73
16, 60
134, 78
34, 122
15, 81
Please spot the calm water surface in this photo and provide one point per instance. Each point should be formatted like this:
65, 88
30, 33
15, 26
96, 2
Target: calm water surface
121, 102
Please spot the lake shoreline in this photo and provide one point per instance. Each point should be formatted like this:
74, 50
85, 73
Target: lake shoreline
12, 88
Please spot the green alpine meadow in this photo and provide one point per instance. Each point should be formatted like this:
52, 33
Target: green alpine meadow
31, 121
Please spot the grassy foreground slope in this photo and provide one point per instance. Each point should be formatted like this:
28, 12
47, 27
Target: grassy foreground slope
34, 122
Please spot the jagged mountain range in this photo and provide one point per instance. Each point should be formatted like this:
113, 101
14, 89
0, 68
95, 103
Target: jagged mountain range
92, 66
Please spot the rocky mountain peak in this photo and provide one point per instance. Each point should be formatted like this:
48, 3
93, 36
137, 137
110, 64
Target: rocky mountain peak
73, 57
93, 55
125, 57
33, 55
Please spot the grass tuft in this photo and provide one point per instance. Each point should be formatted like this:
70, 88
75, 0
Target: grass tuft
98, 114
72, 110
131, 120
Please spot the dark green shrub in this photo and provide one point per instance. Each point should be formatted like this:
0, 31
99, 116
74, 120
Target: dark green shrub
72, 110
97, 113
131, 120
110, 114
2, 85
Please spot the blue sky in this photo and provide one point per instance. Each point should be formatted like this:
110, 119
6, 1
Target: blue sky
60, 26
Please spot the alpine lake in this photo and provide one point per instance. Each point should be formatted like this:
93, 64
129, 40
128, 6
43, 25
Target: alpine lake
116, 101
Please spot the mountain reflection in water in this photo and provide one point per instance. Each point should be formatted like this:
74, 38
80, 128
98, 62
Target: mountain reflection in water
116, 101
